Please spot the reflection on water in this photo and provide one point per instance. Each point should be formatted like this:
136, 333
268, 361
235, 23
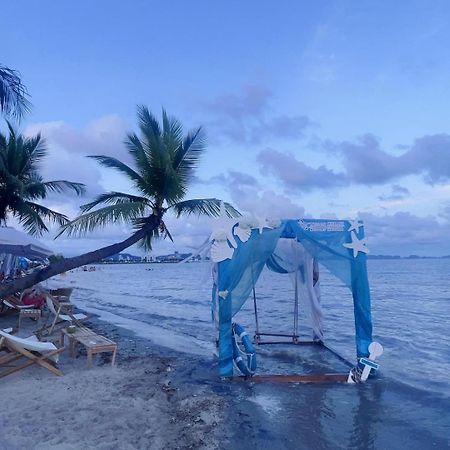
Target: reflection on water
407, 406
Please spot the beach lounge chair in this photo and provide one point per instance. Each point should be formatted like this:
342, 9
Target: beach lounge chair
62, 312
61, 294
12, 302
45, 354
19, 302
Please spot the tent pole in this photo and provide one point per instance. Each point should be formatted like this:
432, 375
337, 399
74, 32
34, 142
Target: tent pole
255, 307
256, 315
295, 336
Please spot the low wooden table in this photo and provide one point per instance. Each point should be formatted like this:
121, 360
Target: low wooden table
93, 342
31, 313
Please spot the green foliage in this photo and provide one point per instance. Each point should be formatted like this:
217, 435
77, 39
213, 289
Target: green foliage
21, 185
13, 94
56, 258
164, 162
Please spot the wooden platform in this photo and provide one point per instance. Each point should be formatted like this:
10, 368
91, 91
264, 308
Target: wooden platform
301, 378
93, 342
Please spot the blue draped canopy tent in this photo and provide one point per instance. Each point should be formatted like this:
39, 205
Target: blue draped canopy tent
336, 244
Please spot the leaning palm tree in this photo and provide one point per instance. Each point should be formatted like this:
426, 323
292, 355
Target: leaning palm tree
164, 164
13, 94
22, 187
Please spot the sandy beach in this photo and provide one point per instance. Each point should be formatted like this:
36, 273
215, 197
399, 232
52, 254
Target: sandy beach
131, 406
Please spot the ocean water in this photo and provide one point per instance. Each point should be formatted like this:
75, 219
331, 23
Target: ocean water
408, 405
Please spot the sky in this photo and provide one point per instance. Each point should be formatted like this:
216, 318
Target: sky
311, 109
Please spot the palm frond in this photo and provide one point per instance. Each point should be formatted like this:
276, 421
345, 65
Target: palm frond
166, 230
31, 217
148, 123
63, 185
13, 94
35, 150
136, 149
113, 163
204, 206
172, 133
34, 188
188, 154
119, 213
115, 198
49, 214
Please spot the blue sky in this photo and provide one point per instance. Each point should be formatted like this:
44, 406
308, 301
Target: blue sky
325, 109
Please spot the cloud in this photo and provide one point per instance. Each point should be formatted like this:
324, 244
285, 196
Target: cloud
231, 177
103, 136
247, 118
445, 213
430, 155
68, 147
397, 193
248, 196
253, 100
403, 234
295, 174
366, 163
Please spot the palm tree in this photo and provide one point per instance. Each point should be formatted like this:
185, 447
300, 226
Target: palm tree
164, 164
13, 94
21, 186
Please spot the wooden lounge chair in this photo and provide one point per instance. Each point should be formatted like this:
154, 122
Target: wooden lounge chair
61, 294
62, 312
14, 303
45, 354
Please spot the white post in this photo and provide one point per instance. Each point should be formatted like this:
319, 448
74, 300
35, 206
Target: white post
375, 350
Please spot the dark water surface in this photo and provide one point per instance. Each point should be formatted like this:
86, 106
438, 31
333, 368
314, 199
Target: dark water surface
406, 406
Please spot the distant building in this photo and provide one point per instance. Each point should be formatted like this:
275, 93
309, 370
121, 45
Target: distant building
122, 258
126, 258
174, 257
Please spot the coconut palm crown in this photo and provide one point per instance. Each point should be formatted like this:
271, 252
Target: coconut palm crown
164, 164
21, 185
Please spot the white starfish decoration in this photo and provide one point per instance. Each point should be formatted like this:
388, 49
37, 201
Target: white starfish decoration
357, 245
355, 225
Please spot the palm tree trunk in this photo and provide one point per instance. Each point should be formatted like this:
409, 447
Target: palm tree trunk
77, 261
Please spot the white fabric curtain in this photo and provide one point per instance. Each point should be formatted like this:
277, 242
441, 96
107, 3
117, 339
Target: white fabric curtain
294, 259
